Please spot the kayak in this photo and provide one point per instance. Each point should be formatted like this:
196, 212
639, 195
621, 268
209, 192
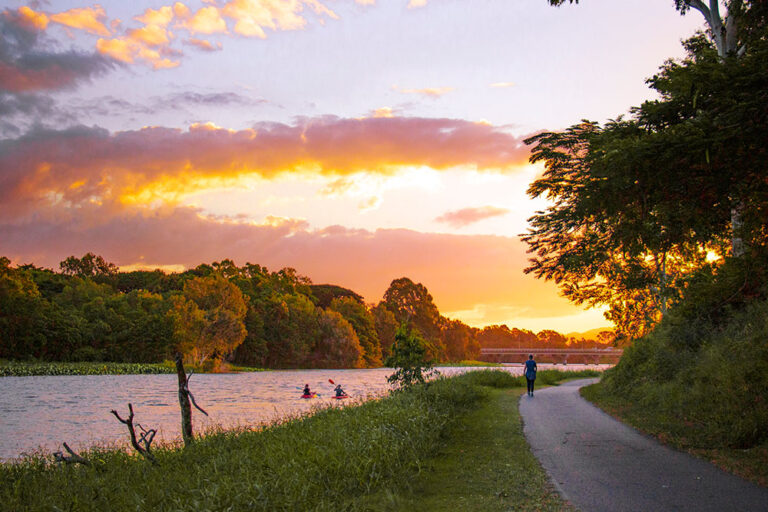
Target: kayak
340, 397
312, 395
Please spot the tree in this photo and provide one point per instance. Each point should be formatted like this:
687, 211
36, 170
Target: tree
731, 34
89, 265
412, 305
637, 204
362, 322
337, 345
208, 318
409, 358
386, 327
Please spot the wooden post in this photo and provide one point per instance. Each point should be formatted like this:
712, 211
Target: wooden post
186, 408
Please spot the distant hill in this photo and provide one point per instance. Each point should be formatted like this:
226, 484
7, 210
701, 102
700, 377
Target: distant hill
588, 335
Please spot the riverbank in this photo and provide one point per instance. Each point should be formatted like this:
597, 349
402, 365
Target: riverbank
675, 431
332, 460
29, 368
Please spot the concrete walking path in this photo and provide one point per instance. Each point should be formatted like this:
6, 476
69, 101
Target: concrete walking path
599, 464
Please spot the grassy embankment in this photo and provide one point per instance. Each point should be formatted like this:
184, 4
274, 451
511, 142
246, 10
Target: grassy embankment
699, 383
27, 368
400, 449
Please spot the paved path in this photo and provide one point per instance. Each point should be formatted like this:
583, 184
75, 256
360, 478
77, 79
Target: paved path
600, 464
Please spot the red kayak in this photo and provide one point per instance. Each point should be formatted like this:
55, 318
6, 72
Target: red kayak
340, 397
312, 395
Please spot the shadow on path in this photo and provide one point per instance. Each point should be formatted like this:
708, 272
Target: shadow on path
599, 464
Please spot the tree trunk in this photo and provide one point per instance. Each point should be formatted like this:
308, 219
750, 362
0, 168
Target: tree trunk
186, 407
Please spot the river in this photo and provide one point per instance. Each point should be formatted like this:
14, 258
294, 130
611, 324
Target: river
37, 414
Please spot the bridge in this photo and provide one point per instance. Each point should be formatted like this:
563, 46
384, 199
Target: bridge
518, 355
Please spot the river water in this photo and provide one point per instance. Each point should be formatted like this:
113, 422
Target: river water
37, 414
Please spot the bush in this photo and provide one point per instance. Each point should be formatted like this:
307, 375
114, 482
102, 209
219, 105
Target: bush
713, 392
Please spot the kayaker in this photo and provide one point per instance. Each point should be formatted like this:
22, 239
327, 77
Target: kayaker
339, 391
307, 391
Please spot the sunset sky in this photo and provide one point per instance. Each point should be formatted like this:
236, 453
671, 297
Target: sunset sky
357, 141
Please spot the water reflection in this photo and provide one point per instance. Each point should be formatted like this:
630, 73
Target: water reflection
39, 413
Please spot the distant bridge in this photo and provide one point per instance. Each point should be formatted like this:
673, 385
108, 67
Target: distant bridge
518, 355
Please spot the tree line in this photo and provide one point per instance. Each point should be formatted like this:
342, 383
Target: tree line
219, 312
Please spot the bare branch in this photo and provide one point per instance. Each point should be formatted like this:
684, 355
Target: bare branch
73, 457
146, 437
192, 398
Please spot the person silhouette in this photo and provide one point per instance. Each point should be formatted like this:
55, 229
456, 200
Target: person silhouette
530, 373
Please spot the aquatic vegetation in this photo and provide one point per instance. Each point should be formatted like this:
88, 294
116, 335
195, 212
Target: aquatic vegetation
27, 369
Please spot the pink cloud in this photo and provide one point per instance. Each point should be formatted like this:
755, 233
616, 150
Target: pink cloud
467, 216
460, 271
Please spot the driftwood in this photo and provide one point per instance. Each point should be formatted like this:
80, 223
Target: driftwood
72, 458
185, 396
144, 443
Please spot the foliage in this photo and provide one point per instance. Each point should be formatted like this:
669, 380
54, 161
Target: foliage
409, 358
637, 204
208, 318
363, 323
707, 362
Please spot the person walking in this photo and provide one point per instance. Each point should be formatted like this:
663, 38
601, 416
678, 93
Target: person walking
530, 373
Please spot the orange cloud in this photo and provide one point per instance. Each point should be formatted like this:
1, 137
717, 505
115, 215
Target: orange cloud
251, 17
151, 35
128, 49
204, 45
207, 20
32, 19
416, 3
154, 164
160, 17
503, 84
467, 216
90, 19
432, 92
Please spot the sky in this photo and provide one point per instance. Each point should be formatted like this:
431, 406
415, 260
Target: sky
357, 141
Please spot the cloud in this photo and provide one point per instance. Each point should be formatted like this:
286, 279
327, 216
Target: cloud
160, 164
204, 45
207, 20
460, 271
105, 106
26, 65
129, 48
431, 92
382, 112
159, 17
413, 4
503, 84
89, 19
467, 216
251, 17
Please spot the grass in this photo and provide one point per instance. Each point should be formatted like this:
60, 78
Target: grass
486, 466
404, 449
675, 431
326, 461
